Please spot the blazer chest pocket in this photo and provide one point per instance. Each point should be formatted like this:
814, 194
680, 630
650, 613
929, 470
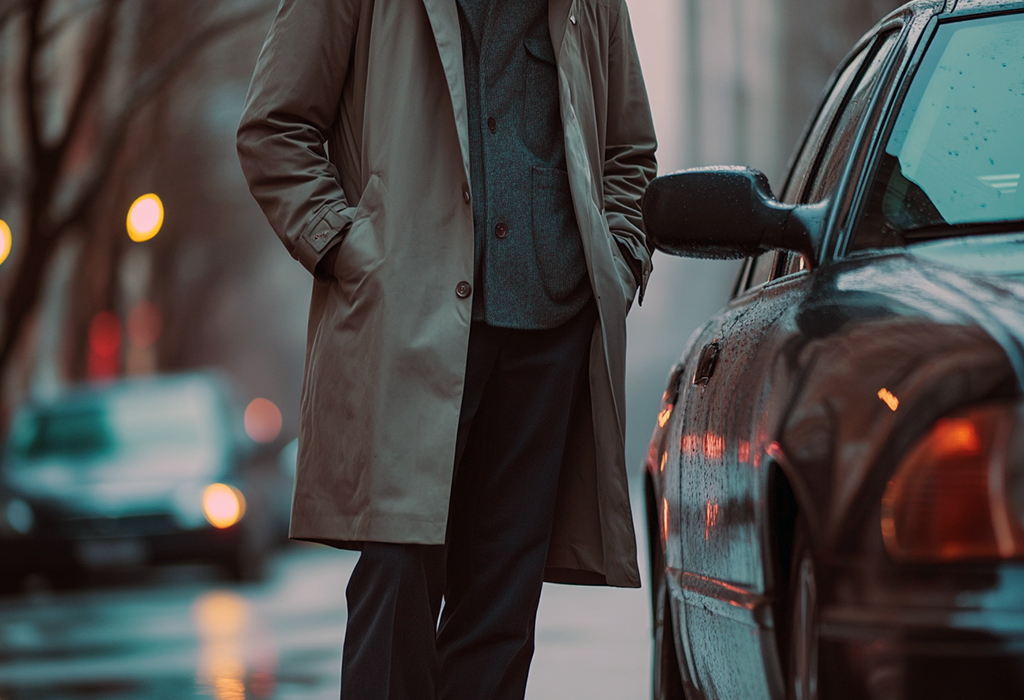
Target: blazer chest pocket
541, 121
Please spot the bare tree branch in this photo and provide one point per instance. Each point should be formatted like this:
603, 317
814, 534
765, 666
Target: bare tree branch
95, 66
67, 19
29, 79
9, 9
46, 223
148, 85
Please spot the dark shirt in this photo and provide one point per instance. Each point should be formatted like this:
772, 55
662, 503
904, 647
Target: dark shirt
530, 269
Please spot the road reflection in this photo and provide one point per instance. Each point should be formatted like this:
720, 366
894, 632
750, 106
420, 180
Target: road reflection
181, 632
224, 620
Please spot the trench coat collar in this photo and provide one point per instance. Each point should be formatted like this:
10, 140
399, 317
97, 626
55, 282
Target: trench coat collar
444, 21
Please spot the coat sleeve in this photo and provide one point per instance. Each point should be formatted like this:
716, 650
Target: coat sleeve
292, 103
629, 162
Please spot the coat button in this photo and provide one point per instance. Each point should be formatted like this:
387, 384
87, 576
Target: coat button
492, 124
465, 194
463, 290
501, 230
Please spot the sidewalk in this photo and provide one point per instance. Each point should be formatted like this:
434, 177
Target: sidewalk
594, 643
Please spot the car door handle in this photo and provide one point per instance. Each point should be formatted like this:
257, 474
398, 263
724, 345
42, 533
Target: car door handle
706, 364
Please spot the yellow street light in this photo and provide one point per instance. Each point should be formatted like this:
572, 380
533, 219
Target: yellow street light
145, 217
5, 241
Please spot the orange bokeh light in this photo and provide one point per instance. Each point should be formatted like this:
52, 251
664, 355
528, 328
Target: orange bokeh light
714, 446
145, 218
691, 445
223, 505
710, 518
263, 420
664, 518
889, 399
6, 241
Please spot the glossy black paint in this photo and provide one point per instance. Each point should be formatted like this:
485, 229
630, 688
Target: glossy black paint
725, 213
784, 436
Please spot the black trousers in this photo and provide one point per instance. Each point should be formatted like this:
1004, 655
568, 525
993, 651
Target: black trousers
401, 643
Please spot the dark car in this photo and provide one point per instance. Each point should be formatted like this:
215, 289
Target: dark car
835, 485
136, 472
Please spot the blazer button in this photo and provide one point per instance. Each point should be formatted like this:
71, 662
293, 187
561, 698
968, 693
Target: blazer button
463, 290
501, 230
465, 194
492, 125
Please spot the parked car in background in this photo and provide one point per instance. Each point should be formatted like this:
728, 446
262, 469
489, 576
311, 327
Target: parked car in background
835, 484
137, 472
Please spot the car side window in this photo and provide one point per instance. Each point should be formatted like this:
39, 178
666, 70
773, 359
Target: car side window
830, 142
838, 145
761, 269
793, 264
820, 130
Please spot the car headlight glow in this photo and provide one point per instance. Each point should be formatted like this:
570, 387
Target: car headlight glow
957, 494
223, 505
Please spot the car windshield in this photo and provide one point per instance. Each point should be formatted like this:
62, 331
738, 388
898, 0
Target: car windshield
105, 425
953, 163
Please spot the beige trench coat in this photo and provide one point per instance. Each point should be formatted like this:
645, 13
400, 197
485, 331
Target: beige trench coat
357, 115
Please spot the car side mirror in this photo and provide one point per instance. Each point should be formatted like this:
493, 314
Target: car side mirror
725, 213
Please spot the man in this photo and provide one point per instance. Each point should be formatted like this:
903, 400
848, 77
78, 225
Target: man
462, 178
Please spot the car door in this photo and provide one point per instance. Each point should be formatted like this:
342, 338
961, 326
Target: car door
722, 438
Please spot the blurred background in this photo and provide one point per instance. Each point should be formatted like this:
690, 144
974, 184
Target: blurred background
149, 319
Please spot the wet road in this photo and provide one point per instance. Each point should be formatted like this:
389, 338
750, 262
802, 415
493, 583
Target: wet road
183, 633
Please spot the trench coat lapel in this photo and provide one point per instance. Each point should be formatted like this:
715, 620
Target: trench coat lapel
558, 20
444, 20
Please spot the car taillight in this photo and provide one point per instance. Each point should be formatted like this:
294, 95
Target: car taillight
956, 495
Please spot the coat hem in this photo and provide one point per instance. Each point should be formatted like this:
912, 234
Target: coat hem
581, 577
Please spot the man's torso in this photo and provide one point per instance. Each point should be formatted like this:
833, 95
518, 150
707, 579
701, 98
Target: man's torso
530, 269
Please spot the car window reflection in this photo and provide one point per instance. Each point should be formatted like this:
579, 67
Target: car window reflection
841, 139
761, 271
820, 131
955, 155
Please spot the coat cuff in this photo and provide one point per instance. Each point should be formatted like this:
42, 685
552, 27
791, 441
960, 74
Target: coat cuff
324, 229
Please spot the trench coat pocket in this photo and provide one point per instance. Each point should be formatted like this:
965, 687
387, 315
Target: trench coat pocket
359, 252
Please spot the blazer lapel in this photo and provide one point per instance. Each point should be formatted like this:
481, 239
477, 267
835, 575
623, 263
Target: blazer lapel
444, 20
